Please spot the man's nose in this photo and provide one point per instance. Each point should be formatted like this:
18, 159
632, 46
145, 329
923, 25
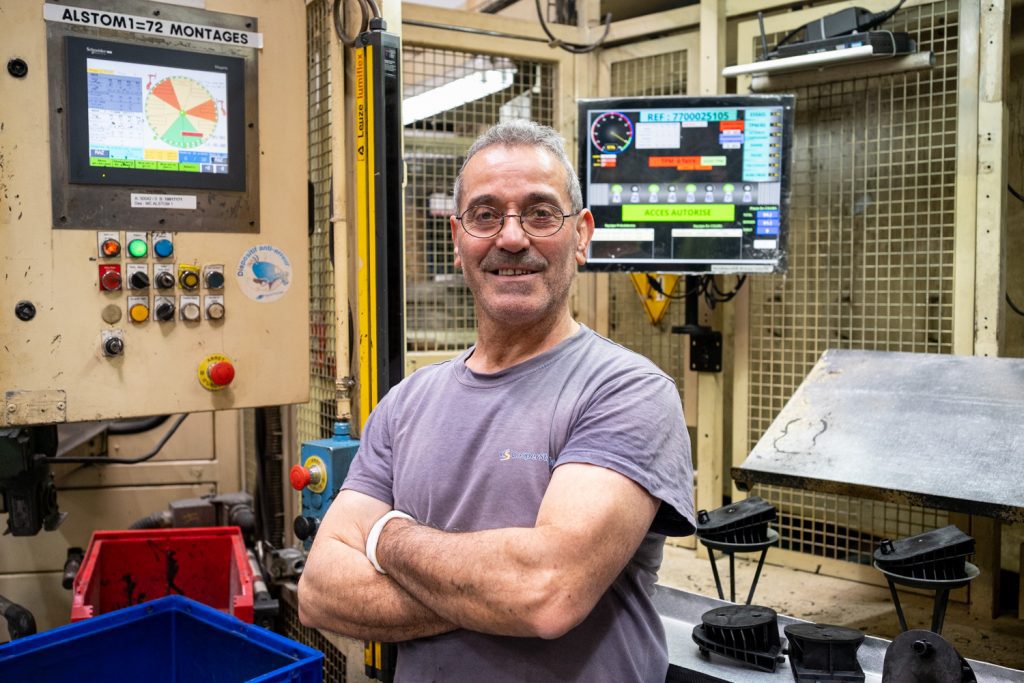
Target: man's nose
512, 236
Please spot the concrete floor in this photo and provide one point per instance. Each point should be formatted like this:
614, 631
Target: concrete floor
828, 600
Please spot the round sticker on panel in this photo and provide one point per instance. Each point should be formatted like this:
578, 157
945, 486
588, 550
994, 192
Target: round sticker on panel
264, 273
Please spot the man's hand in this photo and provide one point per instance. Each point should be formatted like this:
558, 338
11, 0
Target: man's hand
539, 581
340, 591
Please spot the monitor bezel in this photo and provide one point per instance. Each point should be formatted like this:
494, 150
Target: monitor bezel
786, 101
79, 170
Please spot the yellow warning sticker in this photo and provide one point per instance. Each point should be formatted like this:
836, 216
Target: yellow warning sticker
655, 302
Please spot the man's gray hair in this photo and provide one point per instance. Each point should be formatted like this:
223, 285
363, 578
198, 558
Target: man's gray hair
526, 134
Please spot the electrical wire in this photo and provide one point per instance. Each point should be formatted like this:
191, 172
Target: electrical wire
350, 41
1016, 309
104, 460
706, 286
136, 426
656, 286
880, 18
574, 48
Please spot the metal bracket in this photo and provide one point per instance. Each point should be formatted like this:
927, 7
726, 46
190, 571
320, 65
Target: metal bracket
34, 407
705, 350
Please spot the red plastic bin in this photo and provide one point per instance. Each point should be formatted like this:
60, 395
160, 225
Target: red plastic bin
125, 568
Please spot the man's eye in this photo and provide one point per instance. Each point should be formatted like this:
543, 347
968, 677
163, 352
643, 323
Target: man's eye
485, 215
541, 212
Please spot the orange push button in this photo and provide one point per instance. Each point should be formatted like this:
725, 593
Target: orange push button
139, 313
110, 248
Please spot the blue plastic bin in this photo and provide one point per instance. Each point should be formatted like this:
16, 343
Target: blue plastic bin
169, 640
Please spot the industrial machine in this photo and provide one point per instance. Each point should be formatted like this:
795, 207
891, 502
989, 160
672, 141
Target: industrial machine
319, 475
153, 241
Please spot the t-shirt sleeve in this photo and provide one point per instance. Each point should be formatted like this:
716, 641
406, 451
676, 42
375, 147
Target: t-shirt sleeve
372, 471
634, 425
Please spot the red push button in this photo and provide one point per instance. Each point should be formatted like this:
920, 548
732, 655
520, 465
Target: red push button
221, 373
110, 278
299, 477
216, 371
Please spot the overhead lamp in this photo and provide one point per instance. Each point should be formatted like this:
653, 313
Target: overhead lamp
454, 94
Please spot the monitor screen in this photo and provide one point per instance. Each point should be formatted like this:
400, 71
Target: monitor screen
140, 115
687, 184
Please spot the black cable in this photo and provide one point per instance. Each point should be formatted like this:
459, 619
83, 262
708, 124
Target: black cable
722, 297
880, 18
1012, 305
656, 286
136, 426
1016, 309
574, 48
789, 36
349, 41
104, 460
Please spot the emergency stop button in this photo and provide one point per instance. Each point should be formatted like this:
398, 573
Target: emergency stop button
312, 474
299, 477
216, 372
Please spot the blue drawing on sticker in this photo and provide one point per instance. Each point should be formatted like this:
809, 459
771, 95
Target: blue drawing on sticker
267, 274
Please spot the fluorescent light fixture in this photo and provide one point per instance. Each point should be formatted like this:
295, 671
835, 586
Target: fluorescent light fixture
456, 93
808, 61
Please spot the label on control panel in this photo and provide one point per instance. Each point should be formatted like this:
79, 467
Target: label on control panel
264, 273
163, 201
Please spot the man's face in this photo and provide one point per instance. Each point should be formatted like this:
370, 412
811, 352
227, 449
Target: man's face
517, 279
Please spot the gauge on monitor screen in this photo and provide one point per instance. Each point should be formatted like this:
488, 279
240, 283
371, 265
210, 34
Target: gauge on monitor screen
611, 132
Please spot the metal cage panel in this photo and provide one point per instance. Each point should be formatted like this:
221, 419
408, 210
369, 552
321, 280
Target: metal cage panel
871, 260
439, 306
316, 418
628, 324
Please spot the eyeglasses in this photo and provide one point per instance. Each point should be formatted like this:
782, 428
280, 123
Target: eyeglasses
539, 220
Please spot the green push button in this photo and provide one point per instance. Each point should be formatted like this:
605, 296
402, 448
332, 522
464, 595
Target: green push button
138, 248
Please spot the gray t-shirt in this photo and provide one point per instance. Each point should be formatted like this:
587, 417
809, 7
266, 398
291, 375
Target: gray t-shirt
464, 451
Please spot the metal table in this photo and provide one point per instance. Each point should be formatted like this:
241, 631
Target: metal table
932, 430
919, 429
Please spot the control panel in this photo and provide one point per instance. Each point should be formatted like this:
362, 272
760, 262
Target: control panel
323, 466
153, 249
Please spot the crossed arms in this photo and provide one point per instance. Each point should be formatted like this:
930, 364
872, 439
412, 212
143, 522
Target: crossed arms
539, 581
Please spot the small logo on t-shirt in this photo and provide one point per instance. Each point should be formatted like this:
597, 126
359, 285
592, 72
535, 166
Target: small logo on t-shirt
510, 454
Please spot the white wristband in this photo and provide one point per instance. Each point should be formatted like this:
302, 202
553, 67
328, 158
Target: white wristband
374, 536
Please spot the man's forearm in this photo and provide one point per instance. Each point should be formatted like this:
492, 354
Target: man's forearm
341, 592
493, 581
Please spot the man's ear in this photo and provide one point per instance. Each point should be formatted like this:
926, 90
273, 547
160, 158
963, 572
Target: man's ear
455, 239
584, 233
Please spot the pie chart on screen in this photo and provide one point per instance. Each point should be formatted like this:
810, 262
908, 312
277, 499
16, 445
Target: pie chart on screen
181, 111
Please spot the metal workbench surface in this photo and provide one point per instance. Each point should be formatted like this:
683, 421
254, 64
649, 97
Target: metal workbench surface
680, 611
919, 429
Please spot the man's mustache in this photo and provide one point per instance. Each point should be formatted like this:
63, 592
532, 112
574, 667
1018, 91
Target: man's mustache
522, 261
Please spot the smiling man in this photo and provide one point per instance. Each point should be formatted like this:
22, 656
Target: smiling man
505, 515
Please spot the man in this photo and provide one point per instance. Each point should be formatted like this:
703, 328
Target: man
529, 469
